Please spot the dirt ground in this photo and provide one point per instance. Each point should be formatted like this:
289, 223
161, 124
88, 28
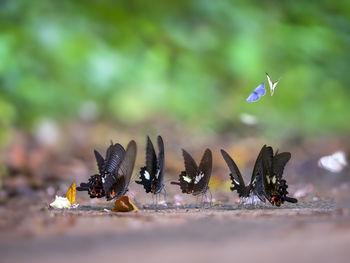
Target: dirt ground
317, 231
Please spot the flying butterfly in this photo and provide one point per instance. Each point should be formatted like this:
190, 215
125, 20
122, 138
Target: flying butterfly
257, 93
195, 179
106, 167
152, 175
275, 186
271, 84
255, 187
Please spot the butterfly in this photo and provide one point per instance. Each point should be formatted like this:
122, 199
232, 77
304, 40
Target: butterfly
114, 172
275, 186
255, 187
152, 175
257, 93
271, 84
106, 166
195, 179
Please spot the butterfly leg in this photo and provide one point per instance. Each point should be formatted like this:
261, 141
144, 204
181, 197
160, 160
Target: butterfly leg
210, 200
156, 202
164, 195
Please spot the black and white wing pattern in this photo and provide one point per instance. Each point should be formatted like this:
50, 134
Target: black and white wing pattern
152, 175
148, 171
194, 180
186, 178
201, 180
236, 177
121, 177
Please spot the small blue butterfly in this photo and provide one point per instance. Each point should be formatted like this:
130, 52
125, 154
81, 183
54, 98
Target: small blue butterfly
257, 93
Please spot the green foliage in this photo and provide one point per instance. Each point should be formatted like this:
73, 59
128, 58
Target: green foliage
195, 61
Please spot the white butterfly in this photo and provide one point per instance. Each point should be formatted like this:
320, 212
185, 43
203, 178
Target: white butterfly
271, 84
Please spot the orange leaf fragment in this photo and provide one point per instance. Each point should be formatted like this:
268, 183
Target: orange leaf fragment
71, 193
124, 204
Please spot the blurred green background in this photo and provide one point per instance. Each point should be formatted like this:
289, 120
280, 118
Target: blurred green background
194, 62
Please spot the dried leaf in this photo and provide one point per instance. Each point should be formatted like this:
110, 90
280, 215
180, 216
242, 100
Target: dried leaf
124, 204
71, 193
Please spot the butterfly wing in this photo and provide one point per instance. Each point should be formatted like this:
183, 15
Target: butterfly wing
151, 158
274, 86
267, 159
190, 165
279, 162
257, 93
114, 155
160, 167
186, 178
94, 186
253, 97
202, 178
257, 183
123, 174
235, 175
260, 90
100, 161
147, 173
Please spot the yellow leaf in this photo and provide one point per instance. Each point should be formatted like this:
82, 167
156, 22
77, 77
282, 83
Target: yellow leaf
71, 194
123, 204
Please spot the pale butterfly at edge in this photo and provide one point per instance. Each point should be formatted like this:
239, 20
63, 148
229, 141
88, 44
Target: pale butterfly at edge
257, 93
271, 84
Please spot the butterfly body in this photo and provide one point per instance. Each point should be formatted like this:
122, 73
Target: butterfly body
152, 175
195, 179
257, 93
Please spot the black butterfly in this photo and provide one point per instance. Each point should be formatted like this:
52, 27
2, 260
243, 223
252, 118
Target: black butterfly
152, 175
114, 172
114, 155
255, 186
275, 186
195, 179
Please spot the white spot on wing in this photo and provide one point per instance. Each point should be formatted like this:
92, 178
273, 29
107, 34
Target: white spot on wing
274, 179
187, 179
198, 178
157, 174
146, 175
236, 181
